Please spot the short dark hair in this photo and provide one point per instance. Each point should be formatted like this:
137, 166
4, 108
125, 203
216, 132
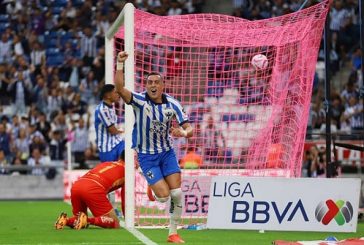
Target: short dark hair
153, 73
107, 88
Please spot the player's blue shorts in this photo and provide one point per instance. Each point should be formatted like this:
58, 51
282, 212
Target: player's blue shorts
114, 154
157, 166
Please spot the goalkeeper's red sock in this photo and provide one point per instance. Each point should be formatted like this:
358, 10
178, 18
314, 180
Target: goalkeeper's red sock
71, 221
103, 221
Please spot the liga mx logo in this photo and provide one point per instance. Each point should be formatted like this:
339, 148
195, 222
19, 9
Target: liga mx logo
340, 211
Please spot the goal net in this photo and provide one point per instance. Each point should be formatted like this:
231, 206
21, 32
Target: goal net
248, 122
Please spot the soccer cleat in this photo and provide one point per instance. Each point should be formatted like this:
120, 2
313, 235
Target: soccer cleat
61, 221
81, 221
150, 194
175, 238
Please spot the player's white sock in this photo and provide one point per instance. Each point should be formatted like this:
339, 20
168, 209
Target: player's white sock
175, 210
161, 199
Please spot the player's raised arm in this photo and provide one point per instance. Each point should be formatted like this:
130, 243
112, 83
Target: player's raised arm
124, 93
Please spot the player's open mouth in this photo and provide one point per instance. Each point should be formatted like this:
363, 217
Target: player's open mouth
153, 91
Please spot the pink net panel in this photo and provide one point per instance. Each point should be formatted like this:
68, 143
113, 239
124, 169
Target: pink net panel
247, 121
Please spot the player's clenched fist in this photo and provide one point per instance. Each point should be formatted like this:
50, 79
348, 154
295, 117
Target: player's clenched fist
122, 56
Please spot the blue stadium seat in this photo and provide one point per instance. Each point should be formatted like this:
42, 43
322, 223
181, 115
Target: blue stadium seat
77, 3
55, 60
3, 26
4, 18
51, 34
57, 10
50, 43
52, 51
66, 36
60, 3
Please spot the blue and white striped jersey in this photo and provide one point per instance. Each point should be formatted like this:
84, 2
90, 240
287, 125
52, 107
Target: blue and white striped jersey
105, 117
153, 122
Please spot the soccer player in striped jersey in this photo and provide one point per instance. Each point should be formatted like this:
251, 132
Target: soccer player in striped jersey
90, 192
109, 141
154, 112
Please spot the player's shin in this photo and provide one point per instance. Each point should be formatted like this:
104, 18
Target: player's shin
175, 210
104, 222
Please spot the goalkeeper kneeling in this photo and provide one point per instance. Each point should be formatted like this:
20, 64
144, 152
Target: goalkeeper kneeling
90, 191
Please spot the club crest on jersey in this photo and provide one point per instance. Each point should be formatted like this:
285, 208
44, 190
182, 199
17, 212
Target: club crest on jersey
168, 113
150, 174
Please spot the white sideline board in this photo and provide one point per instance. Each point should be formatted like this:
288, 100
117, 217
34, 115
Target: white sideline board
290, 204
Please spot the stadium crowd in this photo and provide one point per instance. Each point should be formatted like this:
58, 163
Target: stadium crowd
52, 67
345, 52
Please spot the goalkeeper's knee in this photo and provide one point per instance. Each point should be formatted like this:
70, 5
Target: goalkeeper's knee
161, 199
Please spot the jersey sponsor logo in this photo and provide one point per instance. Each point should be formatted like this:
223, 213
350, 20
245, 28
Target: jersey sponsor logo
158, 127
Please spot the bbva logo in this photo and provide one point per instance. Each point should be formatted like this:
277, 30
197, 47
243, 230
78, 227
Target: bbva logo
341, 211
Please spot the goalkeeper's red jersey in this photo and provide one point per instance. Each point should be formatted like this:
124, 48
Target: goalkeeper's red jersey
109, 175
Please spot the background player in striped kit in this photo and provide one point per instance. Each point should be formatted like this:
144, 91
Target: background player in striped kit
108, 137
154, 112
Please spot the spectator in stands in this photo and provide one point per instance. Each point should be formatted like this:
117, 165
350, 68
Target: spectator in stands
17, 46
15, 127
5, 80
80, 141
38, 161
4, 162
175, 8
43, 125
57, 146
89, 88
54, 101
197, 139
20, 91
99, 65
76, 105
192, 159
307, 163
21, 144
5, 49
38, 142
59, 123
37, 57
337, 110
353, 116
356, 60
5, 141
18, 162
175, 63
88, 46
350, 90
338, 15
319, 165
212, 139
40, 93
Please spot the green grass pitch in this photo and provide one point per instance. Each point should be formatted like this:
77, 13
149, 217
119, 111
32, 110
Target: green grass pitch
26, 222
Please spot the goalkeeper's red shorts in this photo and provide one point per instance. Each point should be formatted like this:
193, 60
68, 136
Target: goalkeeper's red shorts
88, 193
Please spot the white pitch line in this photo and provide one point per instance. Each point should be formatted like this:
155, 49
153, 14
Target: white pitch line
140, 236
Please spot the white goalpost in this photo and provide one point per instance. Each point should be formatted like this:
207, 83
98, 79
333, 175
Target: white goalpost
126, 19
